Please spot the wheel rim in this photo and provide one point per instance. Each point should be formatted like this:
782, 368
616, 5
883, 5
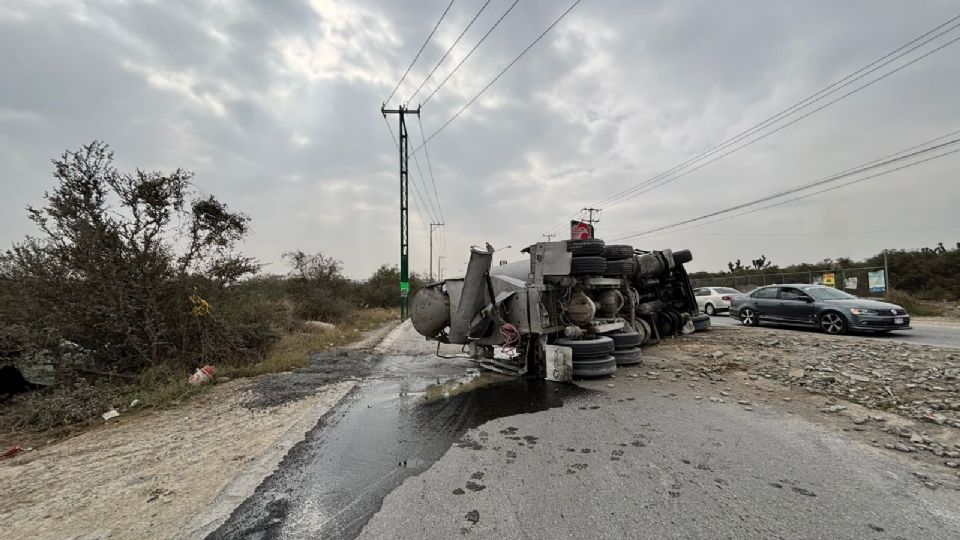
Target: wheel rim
709, 309
831, 323
746, 317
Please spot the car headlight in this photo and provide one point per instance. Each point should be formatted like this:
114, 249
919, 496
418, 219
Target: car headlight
862, 311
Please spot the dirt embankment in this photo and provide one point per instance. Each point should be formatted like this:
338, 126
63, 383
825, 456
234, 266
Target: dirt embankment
149, 475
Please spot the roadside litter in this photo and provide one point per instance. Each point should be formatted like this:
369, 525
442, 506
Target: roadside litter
204, 375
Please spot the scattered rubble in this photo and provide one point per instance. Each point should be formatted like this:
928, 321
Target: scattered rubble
918, 382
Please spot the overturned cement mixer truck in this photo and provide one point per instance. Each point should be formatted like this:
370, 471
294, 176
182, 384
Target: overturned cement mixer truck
575, 308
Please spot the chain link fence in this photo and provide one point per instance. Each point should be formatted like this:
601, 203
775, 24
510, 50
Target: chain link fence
856, 281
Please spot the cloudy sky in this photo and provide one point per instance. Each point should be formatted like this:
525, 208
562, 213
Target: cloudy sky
275, 106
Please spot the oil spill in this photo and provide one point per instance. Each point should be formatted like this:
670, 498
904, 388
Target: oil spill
394, 425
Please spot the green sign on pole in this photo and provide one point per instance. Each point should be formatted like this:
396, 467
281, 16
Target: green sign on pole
404, 288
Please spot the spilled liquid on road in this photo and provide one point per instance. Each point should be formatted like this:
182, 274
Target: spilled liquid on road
395, 425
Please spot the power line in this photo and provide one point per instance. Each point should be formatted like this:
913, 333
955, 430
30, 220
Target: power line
395, 88
665, 181
817, 96
781, 203
637, 190
449, 50
849, 172
430, 170
435, 215
834, 233
495, 79
482, 39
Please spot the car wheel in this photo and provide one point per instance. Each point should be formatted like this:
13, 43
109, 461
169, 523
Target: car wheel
748, 317
833, 323
709, 310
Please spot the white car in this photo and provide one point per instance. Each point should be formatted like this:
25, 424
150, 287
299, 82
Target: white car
713, 300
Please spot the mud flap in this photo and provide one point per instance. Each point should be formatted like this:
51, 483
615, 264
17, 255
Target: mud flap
559, 363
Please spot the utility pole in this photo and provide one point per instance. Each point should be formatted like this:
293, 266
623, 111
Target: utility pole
549, 236
433, 226
404, 147
590, 219
886, 276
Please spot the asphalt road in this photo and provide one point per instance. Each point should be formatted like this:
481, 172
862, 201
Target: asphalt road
923, 332
426, 449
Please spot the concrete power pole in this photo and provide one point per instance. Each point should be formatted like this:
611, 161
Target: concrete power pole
404, 147
433, 226
591, 219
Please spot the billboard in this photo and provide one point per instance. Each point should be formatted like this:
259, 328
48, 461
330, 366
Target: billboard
877, 281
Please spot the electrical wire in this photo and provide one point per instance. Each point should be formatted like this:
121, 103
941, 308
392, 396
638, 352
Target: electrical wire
449, 50
845, 232
779, 128
430, 170
405, 73
469, 54
813, 98
829, 179
883, 61
495, 79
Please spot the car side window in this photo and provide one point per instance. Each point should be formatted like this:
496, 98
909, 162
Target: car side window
789, 293
702, 292
767, 292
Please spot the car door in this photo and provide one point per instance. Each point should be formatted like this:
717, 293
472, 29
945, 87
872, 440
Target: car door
766, 302
701, 295
796, 306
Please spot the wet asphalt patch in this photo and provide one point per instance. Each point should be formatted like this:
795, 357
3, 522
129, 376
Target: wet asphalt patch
394, 425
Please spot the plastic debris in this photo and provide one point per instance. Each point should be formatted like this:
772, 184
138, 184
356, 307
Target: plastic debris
112, 413
203, 375
11, 451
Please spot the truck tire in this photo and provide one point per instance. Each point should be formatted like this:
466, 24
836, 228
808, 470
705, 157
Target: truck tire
619, 268
648, 337
585, 248
628, 357
626, 340
701, 323
616, 252
587, 348
598, 367
682, 257
588, 265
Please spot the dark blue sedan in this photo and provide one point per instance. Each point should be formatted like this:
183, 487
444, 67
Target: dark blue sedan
829, 309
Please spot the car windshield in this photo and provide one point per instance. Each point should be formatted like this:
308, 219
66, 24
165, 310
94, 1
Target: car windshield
826, 293
726, 290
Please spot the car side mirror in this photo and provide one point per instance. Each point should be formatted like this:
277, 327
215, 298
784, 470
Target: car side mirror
808, 300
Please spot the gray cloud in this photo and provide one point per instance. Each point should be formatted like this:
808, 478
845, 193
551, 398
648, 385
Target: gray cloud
275, 106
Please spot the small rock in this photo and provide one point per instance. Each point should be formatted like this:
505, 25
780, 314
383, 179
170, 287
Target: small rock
112, 413
859, 421
787, 399
743, 402
952, 464
718, 354
134, 403
748, 408
609, 385
724, 394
